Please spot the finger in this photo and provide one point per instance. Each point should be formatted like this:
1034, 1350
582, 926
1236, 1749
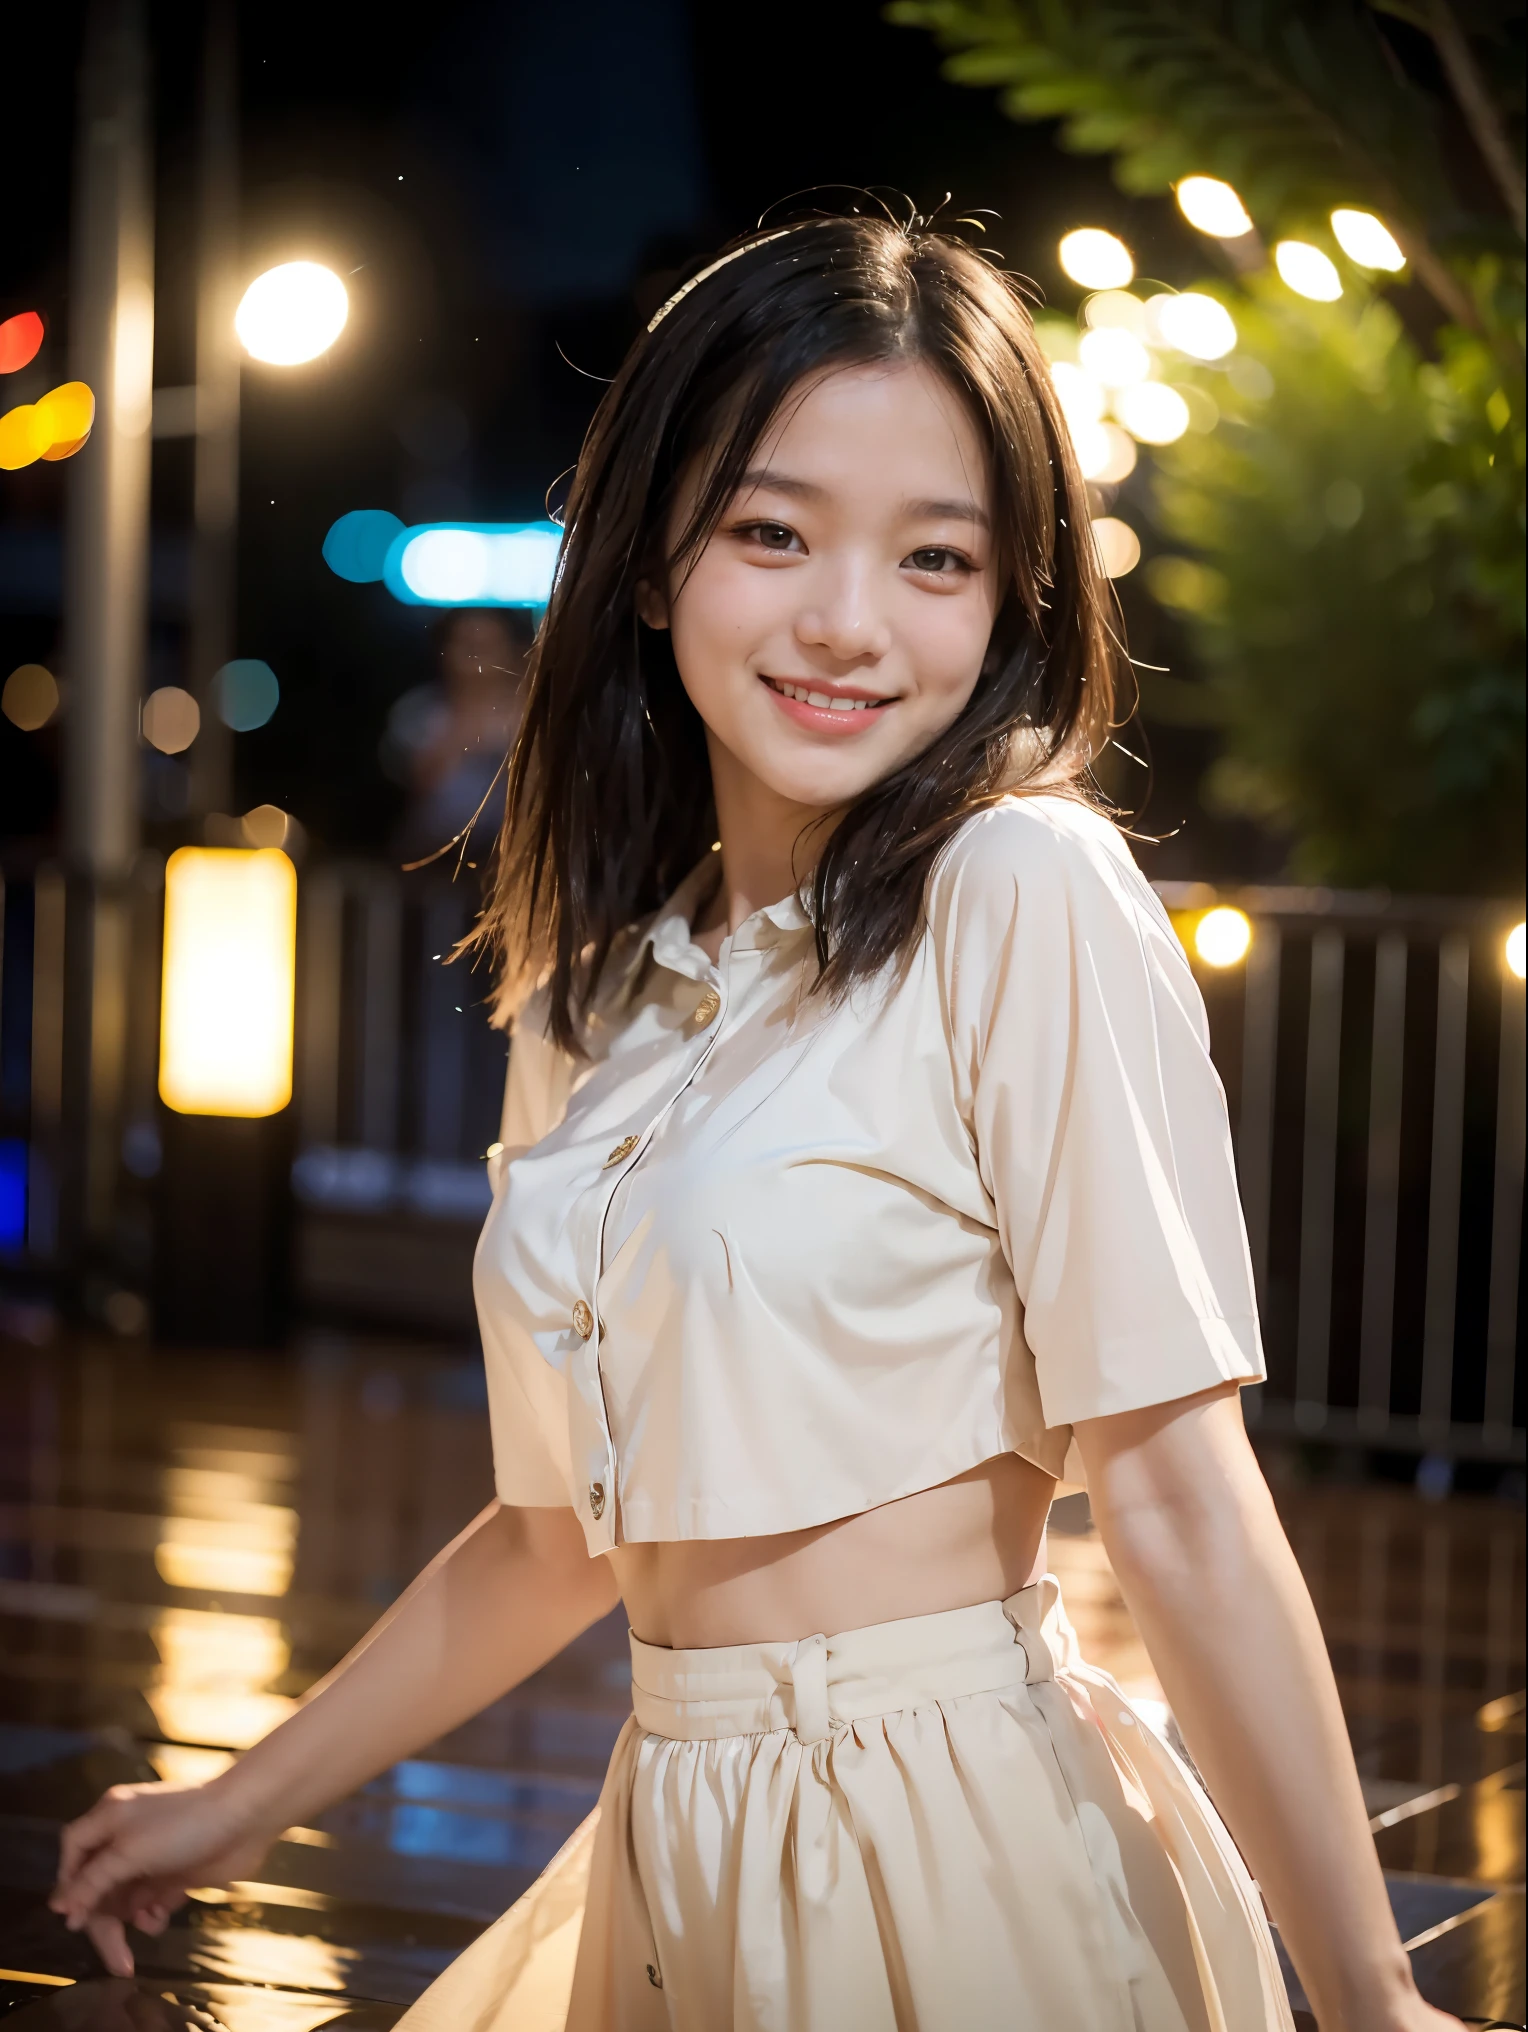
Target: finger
81, 1838
108, 1871
110, 1943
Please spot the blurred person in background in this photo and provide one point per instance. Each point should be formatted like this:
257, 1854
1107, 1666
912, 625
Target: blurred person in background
446, 741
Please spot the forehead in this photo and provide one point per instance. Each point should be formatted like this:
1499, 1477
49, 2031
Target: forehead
895, 425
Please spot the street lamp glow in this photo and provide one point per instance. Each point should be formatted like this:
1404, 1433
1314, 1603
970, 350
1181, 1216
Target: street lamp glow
1308, 271
1223, 936
1368, 241
1194, 324
1152, 412
1213, 207
1096, 259
292, 313
1114, 356
230, 953
1514, 950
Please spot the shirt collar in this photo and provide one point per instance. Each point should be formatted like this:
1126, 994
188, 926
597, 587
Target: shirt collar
667, 933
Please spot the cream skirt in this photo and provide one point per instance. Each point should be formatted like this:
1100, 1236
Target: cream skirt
945, 1824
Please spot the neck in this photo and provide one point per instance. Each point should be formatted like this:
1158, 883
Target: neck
769, 842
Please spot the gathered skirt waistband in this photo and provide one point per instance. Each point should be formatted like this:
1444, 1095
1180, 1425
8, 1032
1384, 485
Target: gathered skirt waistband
817, 1685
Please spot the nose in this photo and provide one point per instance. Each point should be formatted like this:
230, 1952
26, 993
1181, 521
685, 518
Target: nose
842, 615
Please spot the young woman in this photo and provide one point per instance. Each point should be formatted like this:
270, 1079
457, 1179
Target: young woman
863, 1166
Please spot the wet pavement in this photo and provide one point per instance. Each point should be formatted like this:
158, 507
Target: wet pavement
187, 1541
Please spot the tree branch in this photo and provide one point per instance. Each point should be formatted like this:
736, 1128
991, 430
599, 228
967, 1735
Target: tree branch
1479, 108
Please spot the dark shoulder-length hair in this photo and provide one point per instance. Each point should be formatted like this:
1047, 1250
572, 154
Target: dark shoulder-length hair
610, 801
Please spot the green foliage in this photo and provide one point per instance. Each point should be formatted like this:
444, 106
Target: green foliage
1347, 545
1297, 103
1349, 568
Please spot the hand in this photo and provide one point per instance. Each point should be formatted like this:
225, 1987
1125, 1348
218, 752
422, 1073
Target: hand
138, 1850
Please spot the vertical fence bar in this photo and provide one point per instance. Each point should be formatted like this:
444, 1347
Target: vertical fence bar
1254, 1130
1443, 1189
323, 926
1318, 1179
47, 1061
445, 1028
1383, 1180
381, 1013
1506, 1215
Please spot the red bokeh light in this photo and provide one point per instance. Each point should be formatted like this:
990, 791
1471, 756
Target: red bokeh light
20, 337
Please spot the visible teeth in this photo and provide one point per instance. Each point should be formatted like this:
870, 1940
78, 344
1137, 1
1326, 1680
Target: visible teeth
822, 699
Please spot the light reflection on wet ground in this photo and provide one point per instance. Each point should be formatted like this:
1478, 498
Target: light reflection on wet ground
187, 1542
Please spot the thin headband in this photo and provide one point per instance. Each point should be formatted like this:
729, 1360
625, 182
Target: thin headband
747, 247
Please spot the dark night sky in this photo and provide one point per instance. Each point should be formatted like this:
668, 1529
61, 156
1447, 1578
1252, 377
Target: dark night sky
507, 189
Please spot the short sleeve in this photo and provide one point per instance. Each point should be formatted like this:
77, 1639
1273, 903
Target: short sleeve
1082, 1060
539, 1081
527, 1400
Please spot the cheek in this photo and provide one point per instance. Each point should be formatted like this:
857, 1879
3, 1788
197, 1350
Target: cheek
718, 619
946, 642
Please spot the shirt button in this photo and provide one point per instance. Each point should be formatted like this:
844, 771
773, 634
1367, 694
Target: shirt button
597, 1500
706, 1008
583, 1320
623, 1149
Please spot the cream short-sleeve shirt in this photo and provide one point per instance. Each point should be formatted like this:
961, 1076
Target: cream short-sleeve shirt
763, 1261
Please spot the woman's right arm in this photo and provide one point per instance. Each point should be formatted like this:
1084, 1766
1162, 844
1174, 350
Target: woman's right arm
496, 1604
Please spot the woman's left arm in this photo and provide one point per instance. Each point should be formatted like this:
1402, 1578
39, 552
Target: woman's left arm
1202, 1559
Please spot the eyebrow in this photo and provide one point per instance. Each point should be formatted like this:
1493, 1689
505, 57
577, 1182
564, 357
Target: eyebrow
808, 490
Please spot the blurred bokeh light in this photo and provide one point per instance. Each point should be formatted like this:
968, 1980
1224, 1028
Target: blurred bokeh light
475, 564
1516, 949
291, 314
1223, 936
1308, 271
64, 418
1152, 412
266, 826
20, 338
247, 693
30, 697
357, 544
1096, 259
1192, 323
1213, 207
171, 719
1119, 548
1114, 356
1368, 241
230, 941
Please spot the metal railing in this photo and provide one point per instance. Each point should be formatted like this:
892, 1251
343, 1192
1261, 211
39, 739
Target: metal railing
1372, 1050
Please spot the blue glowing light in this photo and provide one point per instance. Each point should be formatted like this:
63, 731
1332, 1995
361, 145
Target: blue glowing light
474, 564
357, 545
247, 693
13, 1192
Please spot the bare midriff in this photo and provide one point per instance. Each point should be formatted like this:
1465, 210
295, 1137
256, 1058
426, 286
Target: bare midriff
978, 1538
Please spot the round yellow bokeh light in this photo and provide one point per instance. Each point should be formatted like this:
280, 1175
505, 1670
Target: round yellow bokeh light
1223, 936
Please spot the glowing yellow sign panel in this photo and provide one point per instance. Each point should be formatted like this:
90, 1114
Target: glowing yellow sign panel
230, 945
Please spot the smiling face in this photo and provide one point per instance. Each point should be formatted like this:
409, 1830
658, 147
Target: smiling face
836, 621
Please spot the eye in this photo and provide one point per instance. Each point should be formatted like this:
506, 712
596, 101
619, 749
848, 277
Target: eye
938, 558
776, 536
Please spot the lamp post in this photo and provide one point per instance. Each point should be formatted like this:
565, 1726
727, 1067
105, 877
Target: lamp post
111, 336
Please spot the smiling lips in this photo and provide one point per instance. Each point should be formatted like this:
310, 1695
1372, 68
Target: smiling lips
842, 711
